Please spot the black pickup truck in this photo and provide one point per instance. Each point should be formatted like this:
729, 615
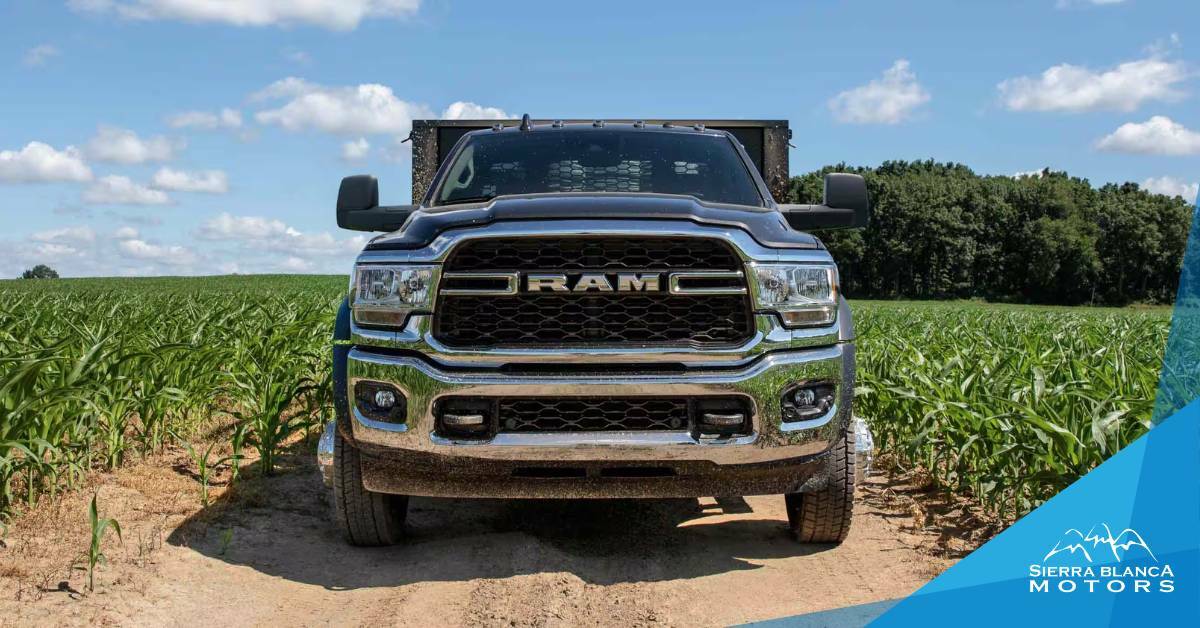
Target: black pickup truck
594, 309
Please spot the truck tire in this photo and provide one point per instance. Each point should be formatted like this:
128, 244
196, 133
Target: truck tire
365, 518
823, 516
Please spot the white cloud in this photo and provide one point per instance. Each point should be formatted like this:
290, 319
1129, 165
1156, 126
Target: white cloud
887, 100
224, 119
331, 14
125, 233
1172, 187
173, 255
39, 162
295, 265
1067, 87
55, 252
208, 181
39, 55
241, 244
118, 190
226, 226
125, 147
257, 235
1159, 135
355, 110
297, 56
1030, 173
69, 235
462, 110
356, 150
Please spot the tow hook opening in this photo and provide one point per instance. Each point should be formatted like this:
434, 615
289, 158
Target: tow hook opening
722, 417
462, 418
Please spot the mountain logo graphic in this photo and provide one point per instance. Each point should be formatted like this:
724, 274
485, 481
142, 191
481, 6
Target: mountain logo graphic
1089, 545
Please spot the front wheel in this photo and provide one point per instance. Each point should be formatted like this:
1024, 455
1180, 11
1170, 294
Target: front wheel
365, 518
824, 516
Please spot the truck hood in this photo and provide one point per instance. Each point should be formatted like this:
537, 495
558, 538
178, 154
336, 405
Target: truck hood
764, 224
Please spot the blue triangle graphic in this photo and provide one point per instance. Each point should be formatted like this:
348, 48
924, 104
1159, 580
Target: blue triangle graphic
1152, 487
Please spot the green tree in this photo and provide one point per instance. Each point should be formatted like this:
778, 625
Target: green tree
41, 271
939, 230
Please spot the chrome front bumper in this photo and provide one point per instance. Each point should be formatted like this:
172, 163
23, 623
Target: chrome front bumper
776, 457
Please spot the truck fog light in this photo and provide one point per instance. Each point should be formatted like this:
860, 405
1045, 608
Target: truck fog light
380, 402
385, 399
808, 401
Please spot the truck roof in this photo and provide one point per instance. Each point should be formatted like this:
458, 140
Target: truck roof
601, 125
765, 141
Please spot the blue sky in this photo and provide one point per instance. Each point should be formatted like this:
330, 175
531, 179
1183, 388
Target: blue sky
156, 137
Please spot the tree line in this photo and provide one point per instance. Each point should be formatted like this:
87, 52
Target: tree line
941, 231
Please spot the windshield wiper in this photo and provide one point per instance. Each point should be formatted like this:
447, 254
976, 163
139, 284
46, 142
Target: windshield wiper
468, 199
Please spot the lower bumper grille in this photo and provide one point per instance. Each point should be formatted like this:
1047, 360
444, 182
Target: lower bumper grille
550, 415
592, 415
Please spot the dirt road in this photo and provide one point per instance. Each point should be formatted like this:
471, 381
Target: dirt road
266, 554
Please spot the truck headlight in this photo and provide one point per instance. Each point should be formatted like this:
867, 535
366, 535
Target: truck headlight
803, 295
386, 295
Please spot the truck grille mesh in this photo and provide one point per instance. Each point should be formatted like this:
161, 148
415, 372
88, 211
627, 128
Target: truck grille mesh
592, 414
592, 318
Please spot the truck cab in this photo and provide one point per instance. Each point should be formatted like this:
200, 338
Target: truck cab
594, 309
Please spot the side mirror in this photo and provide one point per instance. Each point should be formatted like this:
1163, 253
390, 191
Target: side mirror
358, 206
846, 206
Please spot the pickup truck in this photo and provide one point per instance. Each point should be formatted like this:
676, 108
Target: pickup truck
594, 309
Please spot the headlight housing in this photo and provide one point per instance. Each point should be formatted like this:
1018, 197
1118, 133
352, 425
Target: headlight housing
386, 295
803, 295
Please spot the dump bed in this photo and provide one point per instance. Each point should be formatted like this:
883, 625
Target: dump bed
766, 141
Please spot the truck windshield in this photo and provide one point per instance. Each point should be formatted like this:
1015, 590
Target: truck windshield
705, 166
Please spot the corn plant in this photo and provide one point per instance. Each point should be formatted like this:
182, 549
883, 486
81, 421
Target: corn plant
98, 527
204, 464
266, 380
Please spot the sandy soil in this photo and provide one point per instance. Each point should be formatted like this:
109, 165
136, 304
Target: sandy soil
265, 553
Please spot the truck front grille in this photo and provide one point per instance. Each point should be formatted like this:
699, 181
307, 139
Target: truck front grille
590, 318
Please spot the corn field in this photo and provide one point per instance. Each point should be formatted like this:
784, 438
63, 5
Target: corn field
94, 371
1007, 404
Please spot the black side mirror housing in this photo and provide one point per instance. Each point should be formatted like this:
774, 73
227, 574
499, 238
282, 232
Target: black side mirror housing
358, 206
846, 206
